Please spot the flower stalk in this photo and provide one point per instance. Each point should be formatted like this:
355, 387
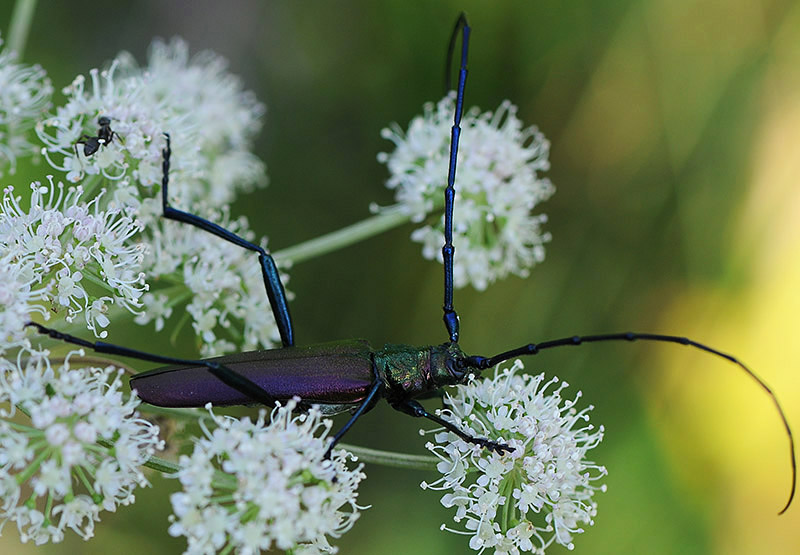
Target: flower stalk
388, 218
18, 30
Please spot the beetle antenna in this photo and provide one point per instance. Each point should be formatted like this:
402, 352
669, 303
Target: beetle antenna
461, 22
535, 348
448, 250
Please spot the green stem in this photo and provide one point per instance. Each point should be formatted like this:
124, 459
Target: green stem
375, 456
97, 280
162, 465
389, 458
186, 415
388, 218
33, 467
156, 463
173, 337
386, 458
20, 25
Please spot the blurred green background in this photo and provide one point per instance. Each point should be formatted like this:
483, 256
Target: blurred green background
675, 129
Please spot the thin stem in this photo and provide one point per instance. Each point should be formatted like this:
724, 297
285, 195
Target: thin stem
20, 25
185, 415
162, 465
386, 458
389, 458
94, 361
388, 218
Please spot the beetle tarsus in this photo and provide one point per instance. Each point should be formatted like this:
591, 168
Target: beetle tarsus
499, 448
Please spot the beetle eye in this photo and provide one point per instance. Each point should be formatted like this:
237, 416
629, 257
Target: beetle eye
455, 367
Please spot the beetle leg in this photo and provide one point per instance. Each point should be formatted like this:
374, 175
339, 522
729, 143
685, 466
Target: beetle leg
413, 408
365, 404
269, 271
223, 373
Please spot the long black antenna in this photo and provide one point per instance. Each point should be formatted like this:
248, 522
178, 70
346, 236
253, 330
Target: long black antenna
535, 348
461, 23
448, 250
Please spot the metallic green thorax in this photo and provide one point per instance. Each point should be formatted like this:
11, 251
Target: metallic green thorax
409, 372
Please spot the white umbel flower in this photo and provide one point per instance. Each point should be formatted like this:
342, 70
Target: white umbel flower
21, 295
225, 282
67, 256
498, 184
277, 490
25, 93
212, 121
79, 455
538, 494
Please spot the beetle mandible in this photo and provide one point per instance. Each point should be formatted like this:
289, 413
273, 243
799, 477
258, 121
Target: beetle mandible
344, 375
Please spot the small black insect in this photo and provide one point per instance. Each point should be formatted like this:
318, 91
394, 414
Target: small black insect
104, 136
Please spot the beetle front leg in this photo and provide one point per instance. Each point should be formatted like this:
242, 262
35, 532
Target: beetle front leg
415, 409
269, 271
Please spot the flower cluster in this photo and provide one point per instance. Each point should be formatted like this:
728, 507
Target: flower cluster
78, 250
20, 295
212, 121
25, 93
252, 486
62, 254
79, 455
497, 186
223, 282
539, 493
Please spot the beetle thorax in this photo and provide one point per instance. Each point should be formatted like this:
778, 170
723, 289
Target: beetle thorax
408, 372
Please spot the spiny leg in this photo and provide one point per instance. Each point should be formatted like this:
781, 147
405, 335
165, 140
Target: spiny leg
223, 373
448, 250
269, 271
415, 409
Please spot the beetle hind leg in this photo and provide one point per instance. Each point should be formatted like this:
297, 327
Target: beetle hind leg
223, 373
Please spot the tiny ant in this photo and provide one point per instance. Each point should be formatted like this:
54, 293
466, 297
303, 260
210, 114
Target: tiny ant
104, 136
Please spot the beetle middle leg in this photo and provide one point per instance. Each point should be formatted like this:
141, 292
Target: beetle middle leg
368, 401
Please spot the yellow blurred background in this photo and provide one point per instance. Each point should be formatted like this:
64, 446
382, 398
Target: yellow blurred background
675, 129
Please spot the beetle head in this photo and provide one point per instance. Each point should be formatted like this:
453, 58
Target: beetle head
449, 364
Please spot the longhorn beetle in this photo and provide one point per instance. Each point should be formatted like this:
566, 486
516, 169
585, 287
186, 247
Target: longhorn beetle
346, 375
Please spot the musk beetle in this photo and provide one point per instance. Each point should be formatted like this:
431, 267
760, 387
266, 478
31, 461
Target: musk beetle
343, 375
